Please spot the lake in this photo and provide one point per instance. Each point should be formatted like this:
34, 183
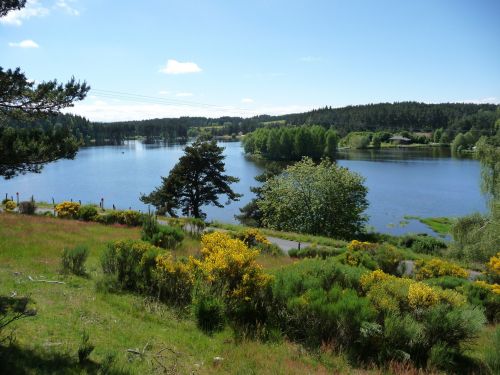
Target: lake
421, 182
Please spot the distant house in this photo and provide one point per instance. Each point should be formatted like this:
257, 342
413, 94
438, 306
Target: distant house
400, 140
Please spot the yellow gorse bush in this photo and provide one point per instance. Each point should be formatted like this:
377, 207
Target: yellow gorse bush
392, 293
421, 295
168, 265
253, 236
356, 245
437, 268
495, 288
67, 209
10, 205
230, 264
494, 265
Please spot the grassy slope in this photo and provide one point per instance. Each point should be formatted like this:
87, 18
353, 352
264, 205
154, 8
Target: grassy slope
31, 246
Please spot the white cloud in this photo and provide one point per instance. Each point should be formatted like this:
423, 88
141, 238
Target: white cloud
64, 5
177, 67
100, 110
28, 43
310, 59
184, 94
247, 100
32, 9
163, 92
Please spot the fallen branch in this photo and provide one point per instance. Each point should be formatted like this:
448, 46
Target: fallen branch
46, 281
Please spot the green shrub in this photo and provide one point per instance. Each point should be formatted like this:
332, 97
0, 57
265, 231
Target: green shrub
423, 244
132, 263
131, 218
163, 236
73, 260
167, 237
87, 213
270, 249
27, 208
372, 256
313, 252
320, 315
209, 313
109, 218
478, 295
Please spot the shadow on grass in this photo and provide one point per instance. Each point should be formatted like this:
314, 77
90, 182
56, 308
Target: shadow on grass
15, 360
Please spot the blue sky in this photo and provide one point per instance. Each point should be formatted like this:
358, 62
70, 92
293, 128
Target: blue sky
251, 57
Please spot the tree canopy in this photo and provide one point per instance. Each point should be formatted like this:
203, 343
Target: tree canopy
322, 199
26, 147
197, 179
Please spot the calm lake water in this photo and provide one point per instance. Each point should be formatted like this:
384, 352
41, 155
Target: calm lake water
420, 182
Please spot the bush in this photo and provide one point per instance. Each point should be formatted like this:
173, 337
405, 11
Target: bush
167, 237
68, 210
493, 268
252, 237
372, 256
423, 244
436, 268
9, 205
314, 251
230, 271
483, 295
209, 313
132, 263
270, 249
87, 213
109, 218
173, 280
333, 315
163, 236
131, 218
27, 208
73, 260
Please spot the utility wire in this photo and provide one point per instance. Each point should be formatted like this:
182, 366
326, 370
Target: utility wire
164, 101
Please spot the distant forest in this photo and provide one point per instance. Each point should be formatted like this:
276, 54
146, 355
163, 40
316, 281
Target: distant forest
452, 118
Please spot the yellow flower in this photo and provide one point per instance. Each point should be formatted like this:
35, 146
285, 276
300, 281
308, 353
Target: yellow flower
421, 295
437, 268
356, 245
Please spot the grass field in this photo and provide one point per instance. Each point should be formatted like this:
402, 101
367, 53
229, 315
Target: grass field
48, 342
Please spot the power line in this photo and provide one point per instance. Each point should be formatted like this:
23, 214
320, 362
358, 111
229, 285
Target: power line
163, 101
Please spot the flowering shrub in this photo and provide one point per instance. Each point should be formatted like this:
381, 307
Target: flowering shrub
10, 205
68, 209
493, 268
174, 280
230, 266
372, 256
436, 268
356, 245
495, 288
421, 295
252, 236
391, 293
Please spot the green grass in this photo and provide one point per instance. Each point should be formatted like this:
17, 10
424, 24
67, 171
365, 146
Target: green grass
440, 225
48, 342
